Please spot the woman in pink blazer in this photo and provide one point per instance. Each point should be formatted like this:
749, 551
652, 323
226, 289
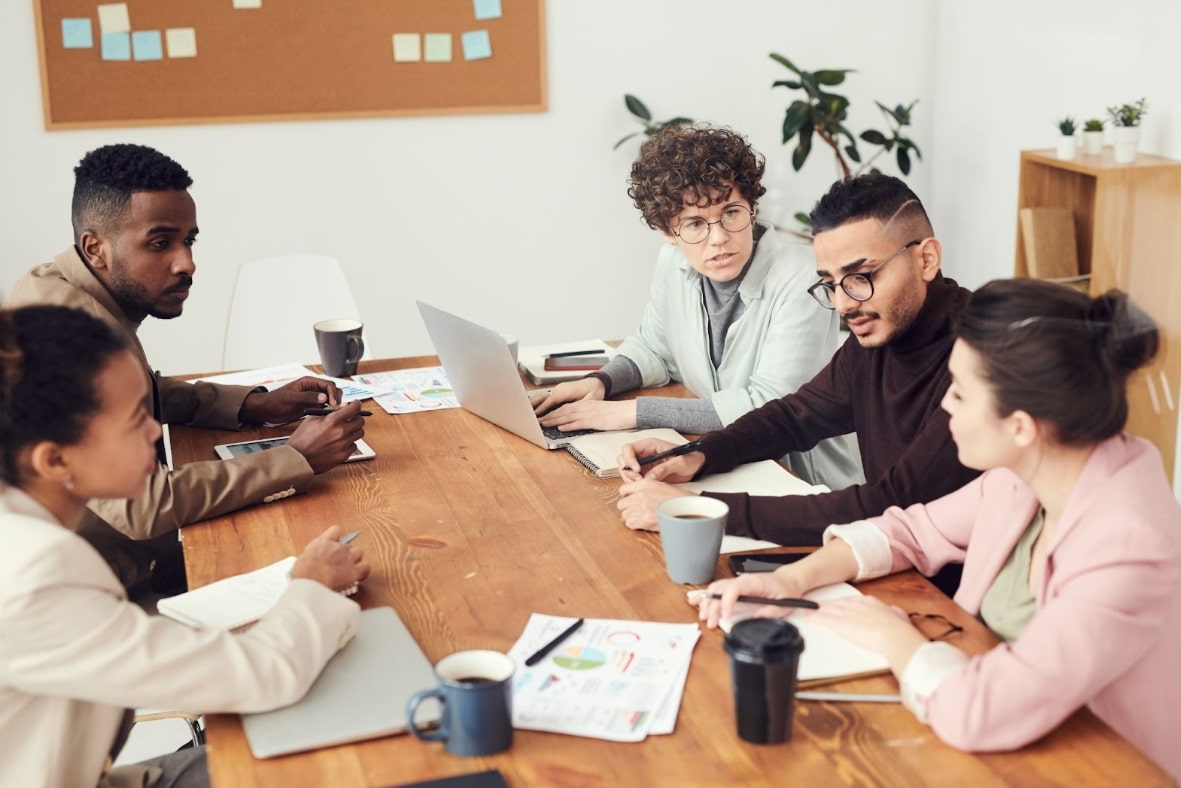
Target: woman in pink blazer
1070, 539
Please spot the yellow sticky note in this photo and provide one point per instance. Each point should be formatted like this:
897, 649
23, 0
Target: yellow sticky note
438, 47
181, 41
407, 48
247, 3
113, 18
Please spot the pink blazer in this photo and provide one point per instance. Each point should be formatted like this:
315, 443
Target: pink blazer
1107, 631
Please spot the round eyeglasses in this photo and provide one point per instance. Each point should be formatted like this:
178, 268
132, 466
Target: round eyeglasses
695, 229
858, 285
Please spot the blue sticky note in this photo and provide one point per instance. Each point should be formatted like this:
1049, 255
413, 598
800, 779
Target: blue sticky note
146, 44
116, 46
76, 34
476, 45
487, 9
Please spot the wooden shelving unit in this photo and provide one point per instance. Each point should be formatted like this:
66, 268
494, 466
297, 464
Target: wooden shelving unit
1128, 234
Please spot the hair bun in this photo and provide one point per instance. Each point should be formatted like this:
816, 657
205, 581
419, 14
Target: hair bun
1127, 337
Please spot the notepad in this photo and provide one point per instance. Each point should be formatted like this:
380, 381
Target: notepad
599, 452
233, 602
827, 656
531, 360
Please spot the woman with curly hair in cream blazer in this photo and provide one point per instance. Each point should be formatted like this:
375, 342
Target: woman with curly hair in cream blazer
1070, 539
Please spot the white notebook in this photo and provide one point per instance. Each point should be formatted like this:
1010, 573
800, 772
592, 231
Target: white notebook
235, 601
599, 451
531, 360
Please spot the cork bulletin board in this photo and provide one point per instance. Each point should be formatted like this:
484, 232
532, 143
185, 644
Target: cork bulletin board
153, 62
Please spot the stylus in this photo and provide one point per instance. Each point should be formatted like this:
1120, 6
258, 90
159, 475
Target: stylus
326, 411
539, 655
565, 353
677, 451
787, 602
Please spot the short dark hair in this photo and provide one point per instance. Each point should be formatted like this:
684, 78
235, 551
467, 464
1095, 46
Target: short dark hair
1058, 354
872, 196
106, 177
49, 359
680, 163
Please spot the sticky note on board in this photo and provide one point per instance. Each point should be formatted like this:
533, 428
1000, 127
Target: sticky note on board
146, 45
77, 34
116, 46
437, 47
487, 9
476, 45
113, 18
407, 48
181, 41
247, 3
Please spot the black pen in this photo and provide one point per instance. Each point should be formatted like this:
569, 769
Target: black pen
676, 451
592, 352
539, 655
762, 600
326, 411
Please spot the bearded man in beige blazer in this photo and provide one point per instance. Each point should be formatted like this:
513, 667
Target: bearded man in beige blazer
135, 224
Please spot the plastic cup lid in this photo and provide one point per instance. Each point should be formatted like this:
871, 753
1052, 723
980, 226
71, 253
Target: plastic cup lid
764, 640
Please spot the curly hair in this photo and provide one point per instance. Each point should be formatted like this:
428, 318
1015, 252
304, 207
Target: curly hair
106, 177
692, 165
49, 359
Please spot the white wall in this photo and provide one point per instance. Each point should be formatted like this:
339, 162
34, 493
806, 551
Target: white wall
517, 221
1006, 72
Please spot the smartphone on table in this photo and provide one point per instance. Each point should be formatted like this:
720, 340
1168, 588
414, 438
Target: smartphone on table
762, 562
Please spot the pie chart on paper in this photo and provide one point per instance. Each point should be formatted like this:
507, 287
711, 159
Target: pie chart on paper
580, 658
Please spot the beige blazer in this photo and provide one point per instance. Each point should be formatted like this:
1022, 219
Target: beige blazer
194, 492
74, 653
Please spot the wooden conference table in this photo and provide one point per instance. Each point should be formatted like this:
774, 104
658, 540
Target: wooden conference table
470, 529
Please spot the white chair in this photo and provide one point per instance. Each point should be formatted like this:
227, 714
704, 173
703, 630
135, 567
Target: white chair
275, 302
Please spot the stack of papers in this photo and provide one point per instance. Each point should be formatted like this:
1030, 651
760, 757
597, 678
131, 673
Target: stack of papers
531, 360
611, 679
272, 378
411, 390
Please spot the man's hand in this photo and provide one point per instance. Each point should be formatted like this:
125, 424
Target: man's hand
287, 403
327, 441
327, 561
638, 499
780, 584
673, 470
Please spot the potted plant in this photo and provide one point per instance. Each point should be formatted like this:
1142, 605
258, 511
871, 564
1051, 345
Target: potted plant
1093, 136
1067, 145
640, 112
1125, 121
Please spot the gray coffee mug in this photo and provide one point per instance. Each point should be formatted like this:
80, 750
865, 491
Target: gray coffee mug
691, 531
476, 693
340, 345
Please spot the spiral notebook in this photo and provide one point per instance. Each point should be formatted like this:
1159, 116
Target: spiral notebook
599, 451
234, 602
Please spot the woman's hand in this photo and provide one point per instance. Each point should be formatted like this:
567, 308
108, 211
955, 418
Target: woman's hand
638, 499
590, 414
545, 400
783, 583
330, 563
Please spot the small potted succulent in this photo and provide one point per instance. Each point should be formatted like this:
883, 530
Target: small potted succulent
1067, 145
1125, 122
1093, 136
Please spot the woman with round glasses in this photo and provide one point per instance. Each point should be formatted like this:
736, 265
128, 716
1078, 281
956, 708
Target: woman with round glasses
1070, 539
728, 315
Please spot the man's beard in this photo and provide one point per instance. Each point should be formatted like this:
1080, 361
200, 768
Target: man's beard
134, 296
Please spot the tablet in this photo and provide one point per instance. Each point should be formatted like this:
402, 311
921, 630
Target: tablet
228, 450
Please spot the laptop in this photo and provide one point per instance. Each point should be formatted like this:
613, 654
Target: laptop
485, 379
361, 694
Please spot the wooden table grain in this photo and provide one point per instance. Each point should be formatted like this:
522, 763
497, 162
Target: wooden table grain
470, 529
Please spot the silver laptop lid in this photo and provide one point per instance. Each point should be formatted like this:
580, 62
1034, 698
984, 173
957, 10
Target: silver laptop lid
482, 373
361, 694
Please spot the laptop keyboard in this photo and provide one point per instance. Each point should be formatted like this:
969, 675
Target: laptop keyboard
555, 434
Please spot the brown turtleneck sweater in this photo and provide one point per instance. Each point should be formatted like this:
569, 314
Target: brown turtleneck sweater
889, 396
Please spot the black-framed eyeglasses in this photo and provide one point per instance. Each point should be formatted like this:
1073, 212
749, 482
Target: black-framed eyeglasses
936, 622
857, 285
695, 229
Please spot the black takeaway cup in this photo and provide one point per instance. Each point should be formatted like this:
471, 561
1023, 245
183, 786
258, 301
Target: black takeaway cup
764, 654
